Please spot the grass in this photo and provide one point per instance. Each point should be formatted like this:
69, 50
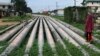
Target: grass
59, 17
3, 44
16, 18
34, 49
3, 27
47, 51
91, 52
74, 51
97, 34
61, 51
81, 26
19, 51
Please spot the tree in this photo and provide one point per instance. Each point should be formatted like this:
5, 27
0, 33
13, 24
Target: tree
29, 10
21, 6
13, 1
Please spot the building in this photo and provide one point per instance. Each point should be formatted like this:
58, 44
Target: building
58, 12
94, 4
5, 9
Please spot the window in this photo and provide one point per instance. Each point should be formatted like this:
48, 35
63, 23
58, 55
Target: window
3, 6
92, 2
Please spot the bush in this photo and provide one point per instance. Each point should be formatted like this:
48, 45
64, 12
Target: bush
17, 18
69, 17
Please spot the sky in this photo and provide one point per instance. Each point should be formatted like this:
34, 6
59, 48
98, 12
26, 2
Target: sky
45, 5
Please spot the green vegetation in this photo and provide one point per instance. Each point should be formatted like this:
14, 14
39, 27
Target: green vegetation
3, 27
3, 45
59, 17
34, 49
69, 14
74, 51
19, 51
21, 7
47, 51
81, 26
91, 52
17, 18
61, 51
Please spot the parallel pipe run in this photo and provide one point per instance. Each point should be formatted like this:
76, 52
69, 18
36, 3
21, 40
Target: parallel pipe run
57, 37
40, 38
80, 32
50, 38
68, 38
31, 39
10, 33
75, 36
10, 27
72, 27
17, 41
63, 34
15, 35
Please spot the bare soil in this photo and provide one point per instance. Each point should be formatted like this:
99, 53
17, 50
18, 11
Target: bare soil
7, 23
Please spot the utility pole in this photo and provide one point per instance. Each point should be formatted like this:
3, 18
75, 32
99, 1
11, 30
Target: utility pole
56, 5
76, 11
48, 8
74, 2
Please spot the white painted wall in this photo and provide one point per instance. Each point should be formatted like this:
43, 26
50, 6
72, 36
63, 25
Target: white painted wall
6, 7
93, 5
60, 12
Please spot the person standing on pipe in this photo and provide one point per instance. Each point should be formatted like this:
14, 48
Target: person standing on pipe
89, 25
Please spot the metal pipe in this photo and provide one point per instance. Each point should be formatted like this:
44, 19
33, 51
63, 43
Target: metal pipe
40, 38
76, 37
17, 41
10, 33
31, 39
80, 32
15, 35
57, 37
68, 38
8, 28
50, 38
64, 34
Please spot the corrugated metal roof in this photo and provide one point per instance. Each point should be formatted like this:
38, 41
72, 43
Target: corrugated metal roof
6, 3
93, 0
85, 1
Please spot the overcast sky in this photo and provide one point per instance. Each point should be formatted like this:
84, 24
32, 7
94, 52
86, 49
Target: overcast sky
44, 5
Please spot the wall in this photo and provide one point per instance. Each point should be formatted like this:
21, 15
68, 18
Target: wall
60, 12
93, 5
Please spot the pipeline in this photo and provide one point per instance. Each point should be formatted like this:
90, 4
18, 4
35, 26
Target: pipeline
15, 35
68, 38
80, 32
17, 41
31, 39
40, 38
76, 37
58, 38
10, 27
10, 33
50, 39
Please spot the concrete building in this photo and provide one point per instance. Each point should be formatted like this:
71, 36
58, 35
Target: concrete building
60, 12
94, 4
57, 12
5, 9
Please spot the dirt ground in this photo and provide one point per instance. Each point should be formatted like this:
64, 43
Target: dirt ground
7, 23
